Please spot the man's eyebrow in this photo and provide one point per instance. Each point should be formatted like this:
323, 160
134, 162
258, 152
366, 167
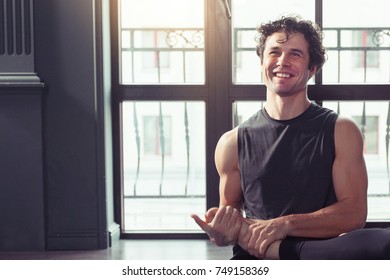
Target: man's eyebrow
298, 51
291, 50
274, 48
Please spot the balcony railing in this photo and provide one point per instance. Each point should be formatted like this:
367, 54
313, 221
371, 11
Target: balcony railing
156, 44
163, 153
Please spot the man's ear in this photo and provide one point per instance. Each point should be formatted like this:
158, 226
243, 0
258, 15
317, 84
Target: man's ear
313, 70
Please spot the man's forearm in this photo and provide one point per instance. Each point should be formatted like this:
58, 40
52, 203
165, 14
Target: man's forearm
327, 222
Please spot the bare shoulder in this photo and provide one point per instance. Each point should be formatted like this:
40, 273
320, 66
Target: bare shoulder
345, 125
226, 153
228, 139
348, 135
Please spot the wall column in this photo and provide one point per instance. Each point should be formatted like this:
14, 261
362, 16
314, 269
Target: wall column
21, 143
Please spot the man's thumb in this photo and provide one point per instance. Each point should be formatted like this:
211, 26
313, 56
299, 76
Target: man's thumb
202, 224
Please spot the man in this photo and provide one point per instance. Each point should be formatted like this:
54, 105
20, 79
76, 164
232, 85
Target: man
294, 168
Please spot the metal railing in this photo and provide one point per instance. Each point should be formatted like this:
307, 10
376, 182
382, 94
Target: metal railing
183, 40
162, 142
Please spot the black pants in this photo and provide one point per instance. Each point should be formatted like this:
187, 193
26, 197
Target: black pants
362, 244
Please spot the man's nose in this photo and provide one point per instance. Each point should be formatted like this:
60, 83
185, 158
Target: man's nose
283, 60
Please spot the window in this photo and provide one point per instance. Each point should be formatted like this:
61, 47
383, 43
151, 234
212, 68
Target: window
157, 135
369, 127
162, 128
163, 164
358, 42
162, 42
366, 40
184, 73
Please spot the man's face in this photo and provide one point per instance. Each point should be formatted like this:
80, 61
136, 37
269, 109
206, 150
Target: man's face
285, 64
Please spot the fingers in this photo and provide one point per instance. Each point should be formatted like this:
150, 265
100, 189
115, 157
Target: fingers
251, 239
257, 240
260, 246
250, 221
234, 224
210, 214
219, 215
222, 224
202, 224
226, 215
263, 247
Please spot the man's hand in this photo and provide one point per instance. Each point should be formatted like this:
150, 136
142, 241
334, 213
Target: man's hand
221, 224
261, 234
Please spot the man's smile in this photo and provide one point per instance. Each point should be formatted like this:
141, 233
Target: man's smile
282, 75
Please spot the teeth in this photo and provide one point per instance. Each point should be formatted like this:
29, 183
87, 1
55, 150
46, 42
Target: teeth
282, 75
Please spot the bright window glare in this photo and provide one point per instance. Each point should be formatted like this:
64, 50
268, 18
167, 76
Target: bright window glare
164, 172
162, 42
250, 13
355, 13
162, 13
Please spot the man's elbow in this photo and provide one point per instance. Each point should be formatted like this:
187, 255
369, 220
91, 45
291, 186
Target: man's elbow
361, 224
358, 221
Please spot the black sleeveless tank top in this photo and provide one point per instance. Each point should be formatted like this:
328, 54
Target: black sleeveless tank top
286, 166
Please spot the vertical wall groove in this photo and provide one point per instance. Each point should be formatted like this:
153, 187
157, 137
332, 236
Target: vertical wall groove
28, 12
9, 32
18, 28
2, 27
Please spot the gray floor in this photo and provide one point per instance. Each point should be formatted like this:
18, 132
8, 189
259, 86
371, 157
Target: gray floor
135, 250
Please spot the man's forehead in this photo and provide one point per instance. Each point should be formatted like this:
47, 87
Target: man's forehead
292, 40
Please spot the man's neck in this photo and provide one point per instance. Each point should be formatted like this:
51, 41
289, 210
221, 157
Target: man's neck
286, 108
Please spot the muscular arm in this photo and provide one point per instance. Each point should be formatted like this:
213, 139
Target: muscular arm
226, 162
223, 224
348, 213
350, 184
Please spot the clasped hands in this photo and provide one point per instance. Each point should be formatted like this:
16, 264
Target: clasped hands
226, 226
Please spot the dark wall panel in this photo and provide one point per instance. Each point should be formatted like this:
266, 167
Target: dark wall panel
65, 54
21, 170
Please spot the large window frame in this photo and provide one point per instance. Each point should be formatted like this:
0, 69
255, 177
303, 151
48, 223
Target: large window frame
219, 94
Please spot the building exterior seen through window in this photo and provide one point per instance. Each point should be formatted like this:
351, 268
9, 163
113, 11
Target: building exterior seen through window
160, 45
163, 164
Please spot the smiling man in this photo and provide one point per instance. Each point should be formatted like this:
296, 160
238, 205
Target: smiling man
294, 171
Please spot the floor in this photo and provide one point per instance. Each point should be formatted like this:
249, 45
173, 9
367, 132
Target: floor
135, 250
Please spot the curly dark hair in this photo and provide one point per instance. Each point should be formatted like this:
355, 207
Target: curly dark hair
292, 24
